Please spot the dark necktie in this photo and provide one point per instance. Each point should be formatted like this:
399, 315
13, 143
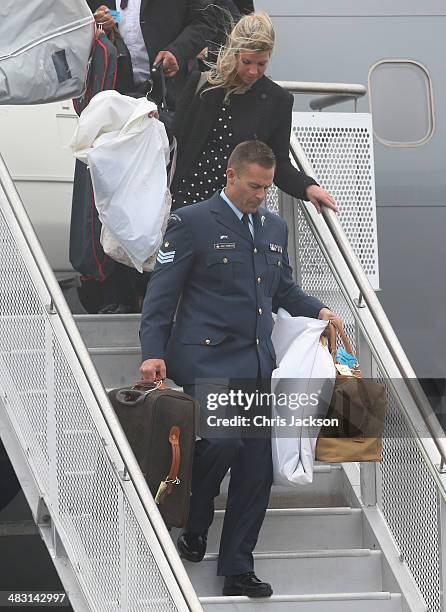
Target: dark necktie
124, 4
245, 221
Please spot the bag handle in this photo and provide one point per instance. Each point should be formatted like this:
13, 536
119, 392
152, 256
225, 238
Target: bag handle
333, 330
159, 67
137, 393
149, 386
173, 163
174, 439
171, 479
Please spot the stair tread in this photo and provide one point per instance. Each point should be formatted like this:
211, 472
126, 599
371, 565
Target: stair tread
86, 318
307, 511
299, 554
342, 571
115, 350
380, 595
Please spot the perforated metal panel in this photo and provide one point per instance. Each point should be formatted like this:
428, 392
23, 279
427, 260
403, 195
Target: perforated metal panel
315, 275
410, 503
409, 499
85, 497
272, 200
339, 147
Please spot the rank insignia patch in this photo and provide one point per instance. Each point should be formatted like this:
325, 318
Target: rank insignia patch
165, 256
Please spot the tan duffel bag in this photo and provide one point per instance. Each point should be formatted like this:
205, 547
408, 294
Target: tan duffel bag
359, 405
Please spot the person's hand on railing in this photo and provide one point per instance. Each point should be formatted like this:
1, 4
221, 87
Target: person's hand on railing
153, 370
319, 196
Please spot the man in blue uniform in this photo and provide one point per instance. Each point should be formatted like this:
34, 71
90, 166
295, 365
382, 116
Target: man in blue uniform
226, 258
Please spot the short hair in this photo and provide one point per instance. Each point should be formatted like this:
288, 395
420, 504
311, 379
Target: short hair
252, 152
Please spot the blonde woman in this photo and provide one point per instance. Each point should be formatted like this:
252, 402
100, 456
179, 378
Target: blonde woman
236, 103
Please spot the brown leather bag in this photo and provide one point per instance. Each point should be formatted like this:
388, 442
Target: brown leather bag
359, 405
160, 426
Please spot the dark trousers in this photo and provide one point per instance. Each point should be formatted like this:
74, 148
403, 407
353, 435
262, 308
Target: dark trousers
249, 460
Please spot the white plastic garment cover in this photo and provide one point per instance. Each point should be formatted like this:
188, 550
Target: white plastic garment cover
44, 50
127, 153
305, 377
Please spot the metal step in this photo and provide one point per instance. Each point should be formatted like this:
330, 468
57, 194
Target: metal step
117, 367
109, 330
334, 602
113, 343
301, 529
326, 491
302, 572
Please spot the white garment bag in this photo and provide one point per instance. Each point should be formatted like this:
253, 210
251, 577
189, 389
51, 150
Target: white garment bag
305, 377
127, 153
45, 48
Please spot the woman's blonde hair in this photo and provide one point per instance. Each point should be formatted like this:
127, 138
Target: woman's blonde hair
253, 32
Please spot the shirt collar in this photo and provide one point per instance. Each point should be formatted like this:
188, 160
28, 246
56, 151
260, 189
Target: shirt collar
234, 208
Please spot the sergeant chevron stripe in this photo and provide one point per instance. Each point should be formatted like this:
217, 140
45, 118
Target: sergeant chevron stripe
165, 256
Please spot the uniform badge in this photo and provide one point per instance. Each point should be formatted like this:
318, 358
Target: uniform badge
165, 256
173, 220
224, 246
224, 237
276, 248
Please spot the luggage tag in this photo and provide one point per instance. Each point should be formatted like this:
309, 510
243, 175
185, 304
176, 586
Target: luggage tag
161, 491
164, 488
343, 369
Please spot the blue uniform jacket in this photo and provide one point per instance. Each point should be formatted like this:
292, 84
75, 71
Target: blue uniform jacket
229, 286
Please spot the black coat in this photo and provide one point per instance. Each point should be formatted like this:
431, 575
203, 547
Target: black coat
182, 27
245, 6
262, 113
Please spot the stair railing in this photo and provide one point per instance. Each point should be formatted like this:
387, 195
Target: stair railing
84, 487
409, 486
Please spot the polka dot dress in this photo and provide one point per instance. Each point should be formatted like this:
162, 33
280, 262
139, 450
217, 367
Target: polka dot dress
208, 174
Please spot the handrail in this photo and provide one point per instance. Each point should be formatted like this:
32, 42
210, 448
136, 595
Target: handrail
379, 316
333, 93
132, 471
318, 104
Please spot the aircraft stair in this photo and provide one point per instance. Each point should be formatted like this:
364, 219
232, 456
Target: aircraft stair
316, 546
360, 537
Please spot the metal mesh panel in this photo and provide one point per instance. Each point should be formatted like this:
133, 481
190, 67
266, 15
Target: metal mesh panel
339, 147
103, 539
272, 200
317, 278
315, 275
409, 494
410, 503
143, 574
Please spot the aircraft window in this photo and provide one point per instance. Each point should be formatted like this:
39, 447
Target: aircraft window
401, 103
